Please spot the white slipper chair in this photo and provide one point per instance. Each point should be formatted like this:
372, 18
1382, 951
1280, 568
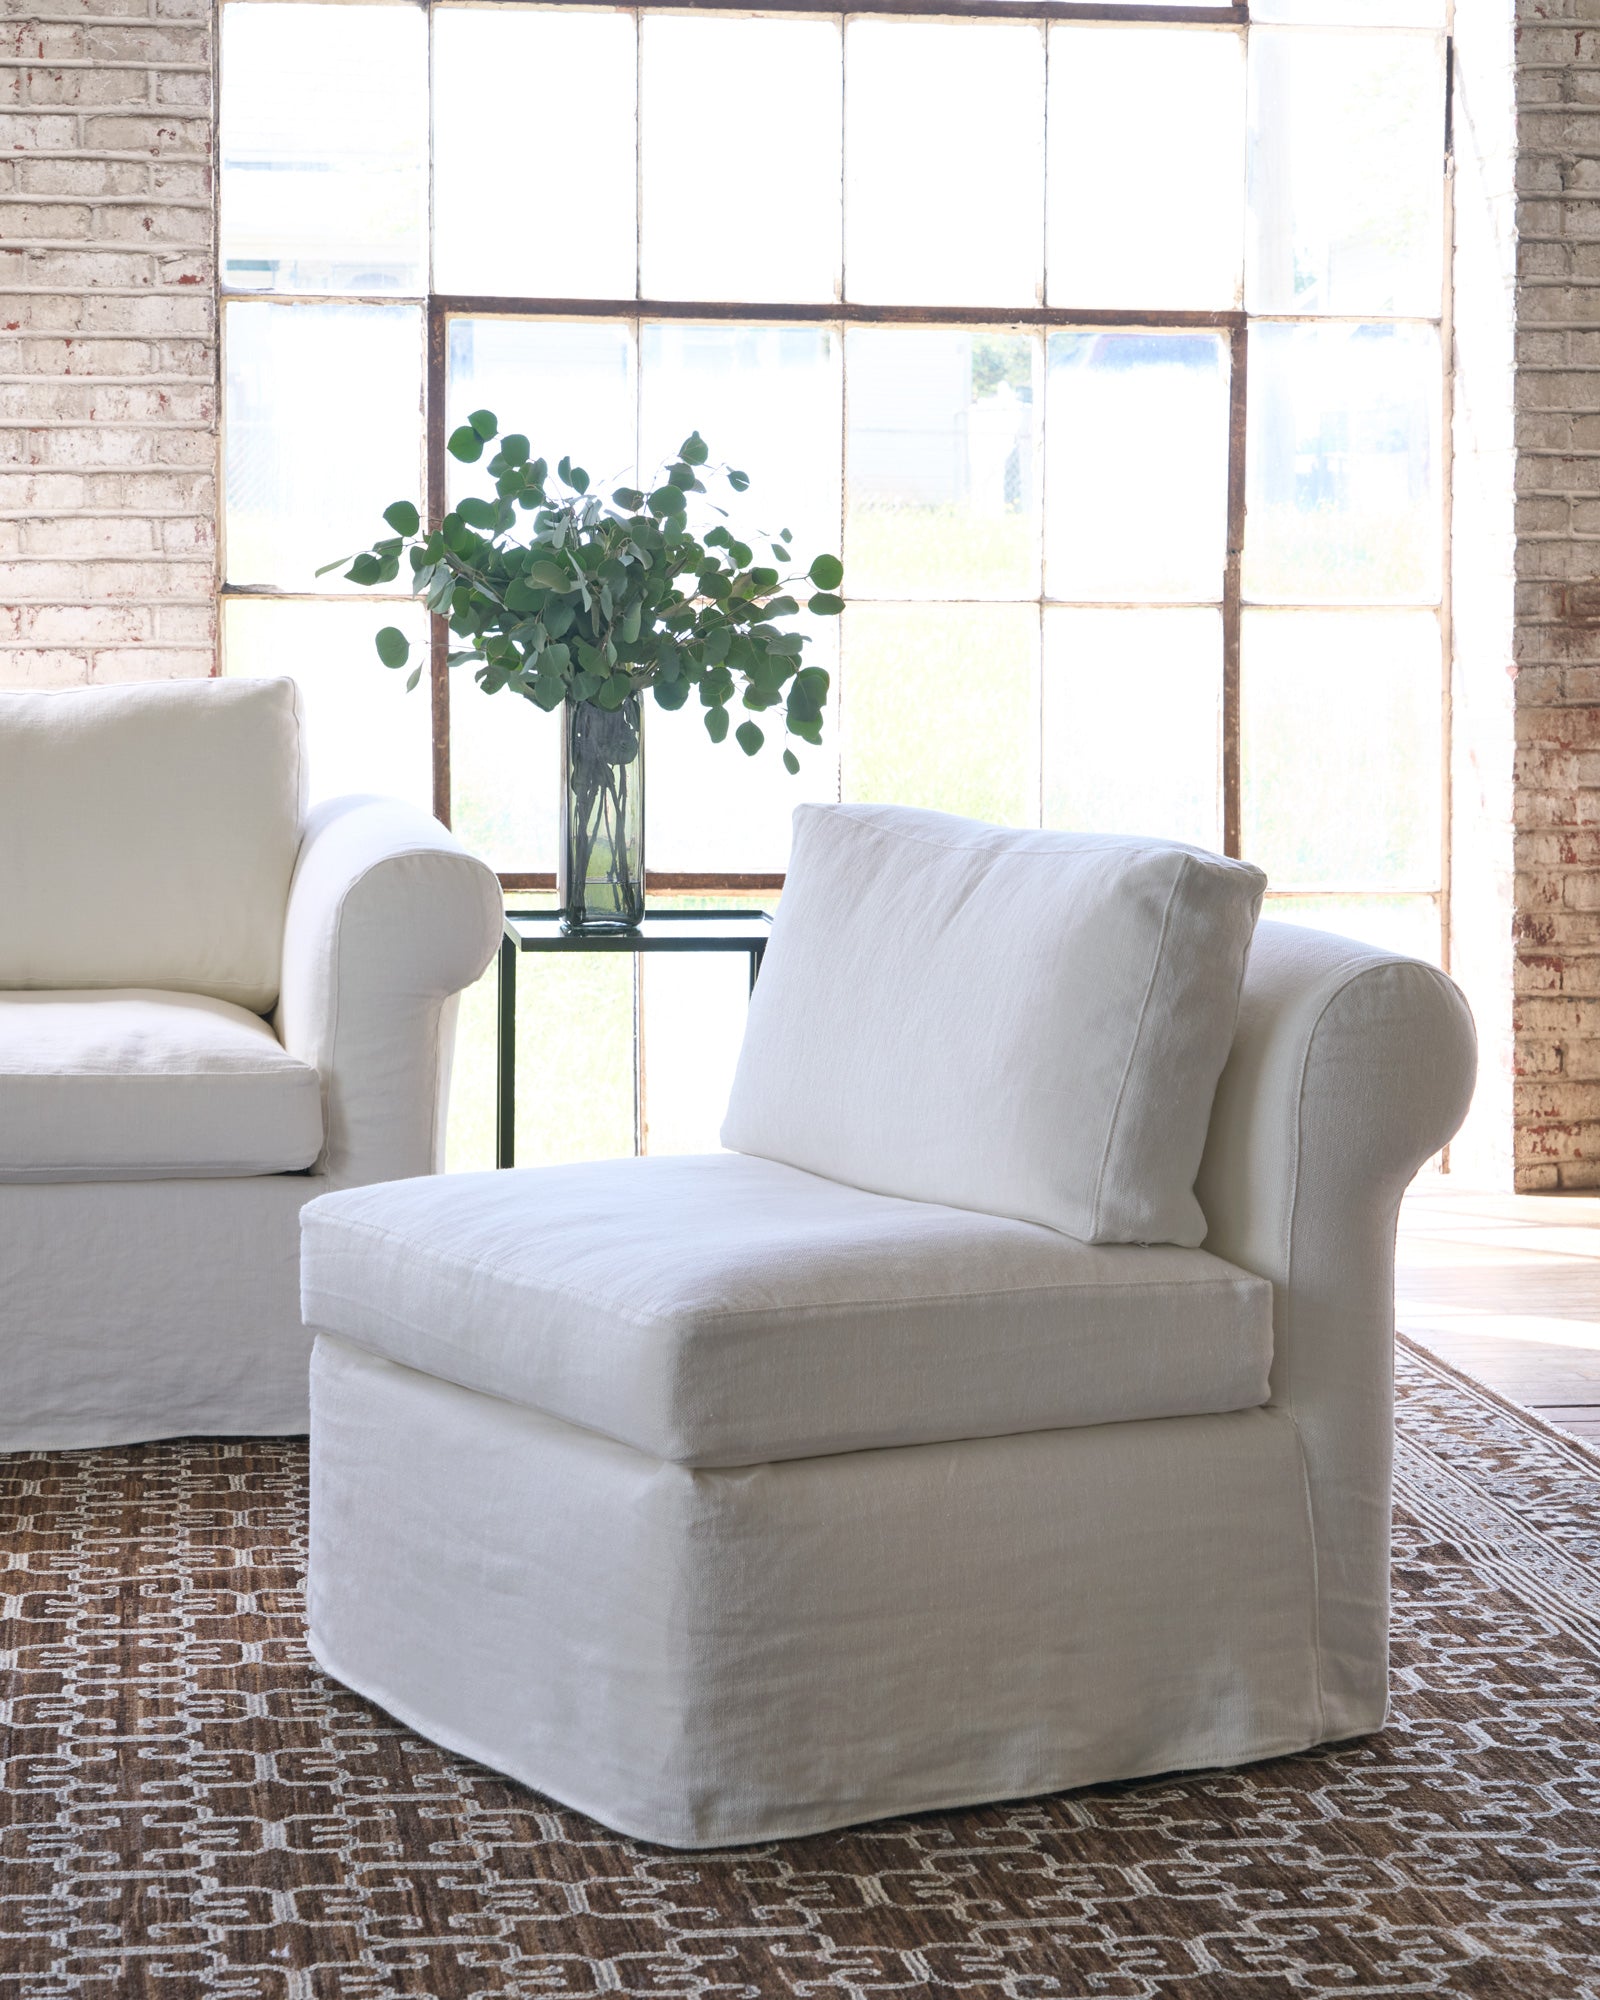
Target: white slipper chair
212, 1009
913, 1453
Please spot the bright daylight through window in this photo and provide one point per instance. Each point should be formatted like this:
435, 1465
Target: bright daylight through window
1107, 352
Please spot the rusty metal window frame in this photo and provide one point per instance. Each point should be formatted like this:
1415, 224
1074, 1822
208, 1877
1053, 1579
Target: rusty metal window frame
440, 308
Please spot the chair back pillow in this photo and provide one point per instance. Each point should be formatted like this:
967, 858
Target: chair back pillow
147, 836
1026, 1023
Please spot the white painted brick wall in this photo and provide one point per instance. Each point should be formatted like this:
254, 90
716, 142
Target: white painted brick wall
108, 351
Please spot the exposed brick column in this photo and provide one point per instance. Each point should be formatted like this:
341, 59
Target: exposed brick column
1557, 919
108, 352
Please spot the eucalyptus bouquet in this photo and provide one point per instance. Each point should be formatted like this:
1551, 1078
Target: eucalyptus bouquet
563, 596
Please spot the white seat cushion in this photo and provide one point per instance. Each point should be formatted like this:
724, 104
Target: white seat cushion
136, 1085
724, 1310
1030, 1023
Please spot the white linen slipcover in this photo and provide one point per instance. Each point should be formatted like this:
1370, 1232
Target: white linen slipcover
149, 1309
708, 1657
1350, 1068
705, 1655
147, 836
131, 1085
144, 1309
724, 1310
1029, 1023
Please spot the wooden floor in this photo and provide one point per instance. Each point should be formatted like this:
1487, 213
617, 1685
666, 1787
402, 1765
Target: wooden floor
1507, 1287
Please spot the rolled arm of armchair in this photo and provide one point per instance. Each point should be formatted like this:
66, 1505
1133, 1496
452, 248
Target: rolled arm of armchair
389, 918
1349, 1069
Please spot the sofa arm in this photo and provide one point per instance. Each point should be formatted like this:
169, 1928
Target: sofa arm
1350, 1067
389, 918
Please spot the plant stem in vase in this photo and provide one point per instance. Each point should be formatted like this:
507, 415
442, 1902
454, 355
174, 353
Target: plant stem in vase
600, 858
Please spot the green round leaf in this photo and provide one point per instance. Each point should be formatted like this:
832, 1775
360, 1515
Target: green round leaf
749, 738
739, 481
827, 572
716, 723
476, 513
545, 575
403, 517
825, 604
485, 423
791, 763
693, 449
394, 648
673, 694
514, 449
465, 444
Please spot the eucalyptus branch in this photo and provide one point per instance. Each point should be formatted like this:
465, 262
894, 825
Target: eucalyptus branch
589, 607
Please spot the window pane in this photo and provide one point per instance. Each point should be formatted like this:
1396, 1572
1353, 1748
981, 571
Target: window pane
1353, 13
1137, 476
533, 153
364, 733
943, 463
324, 144
1146, 167
766, 399
1396, 923
504, 776
941, 706
1340, 720
776, 87
1343, 489
692, 1011
1133, 723
574, 1061
322, 430
574, 1057
567, 385
711, 808
1346, 172
944, 162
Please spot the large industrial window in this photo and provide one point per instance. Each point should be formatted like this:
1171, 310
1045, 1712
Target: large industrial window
1105, 343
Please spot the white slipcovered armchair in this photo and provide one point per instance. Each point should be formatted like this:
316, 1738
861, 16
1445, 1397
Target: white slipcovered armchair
212, 1008
913, 1452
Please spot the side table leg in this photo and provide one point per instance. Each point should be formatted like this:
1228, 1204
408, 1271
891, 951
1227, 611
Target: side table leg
505, 1115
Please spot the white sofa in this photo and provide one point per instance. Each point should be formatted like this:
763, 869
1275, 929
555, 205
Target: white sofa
914, 1454
212, 1009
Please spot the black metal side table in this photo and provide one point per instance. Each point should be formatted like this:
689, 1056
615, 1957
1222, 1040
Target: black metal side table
661, 930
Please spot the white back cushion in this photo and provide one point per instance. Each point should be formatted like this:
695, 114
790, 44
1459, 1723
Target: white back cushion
147, 836
1032, 1024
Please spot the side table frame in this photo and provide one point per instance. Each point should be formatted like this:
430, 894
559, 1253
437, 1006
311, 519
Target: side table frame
744, 931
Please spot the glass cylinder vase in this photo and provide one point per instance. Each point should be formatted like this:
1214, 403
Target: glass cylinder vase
600, 855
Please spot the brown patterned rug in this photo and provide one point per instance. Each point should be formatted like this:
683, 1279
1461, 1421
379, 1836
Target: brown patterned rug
187, 1807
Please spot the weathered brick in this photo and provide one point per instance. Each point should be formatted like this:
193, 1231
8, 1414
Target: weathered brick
156, 45
157, 132
148, 663
101, 88
1580, 1059
86, 177
107, 341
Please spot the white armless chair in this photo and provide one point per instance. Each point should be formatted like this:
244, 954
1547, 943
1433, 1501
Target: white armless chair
915, 1453
212, 1009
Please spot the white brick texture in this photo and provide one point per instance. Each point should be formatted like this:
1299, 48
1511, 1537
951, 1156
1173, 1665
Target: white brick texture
108, 348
